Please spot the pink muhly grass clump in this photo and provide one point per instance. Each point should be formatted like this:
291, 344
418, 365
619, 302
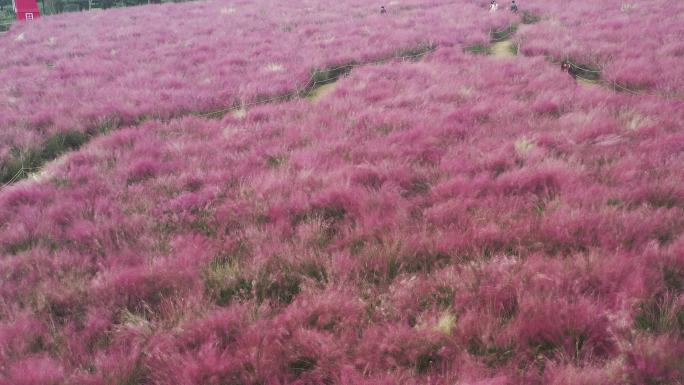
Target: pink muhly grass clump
34, 371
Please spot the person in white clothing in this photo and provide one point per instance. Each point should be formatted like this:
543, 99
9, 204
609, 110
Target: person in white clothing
493, 6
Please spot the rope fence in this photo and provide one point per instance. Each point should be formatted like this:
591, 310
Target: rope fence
16, 177
313, 83
23, 171
324, 76
584, 69
500, 35
605, 83
504, 34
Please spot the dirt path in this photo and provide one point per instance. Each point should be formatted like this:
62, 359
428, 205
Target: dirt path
587, 83
240, 114
503, 49
322, 91
47, 172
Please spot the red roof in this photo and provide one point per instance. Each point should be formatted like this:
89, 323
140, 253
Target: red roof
26, 5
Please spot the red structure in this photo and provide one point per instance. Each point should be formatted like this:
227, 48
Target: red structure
26, 9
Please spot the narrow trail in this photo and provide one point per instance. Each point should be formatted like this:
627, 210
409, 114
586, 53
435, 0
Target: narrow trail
587, 77
240, 113
47, 171
323, 82
503, 49
322, 91
506, 48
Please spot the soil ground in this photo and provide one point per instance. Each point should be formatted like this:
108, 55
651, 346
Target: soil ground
320, 92
503, 49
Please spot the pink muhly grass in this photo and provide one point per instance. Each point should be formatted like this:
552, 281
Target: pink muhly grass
220, 55
454, 220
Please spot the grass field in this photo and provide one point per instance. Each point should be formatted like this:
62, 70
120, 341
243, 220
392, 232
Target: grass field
313, 193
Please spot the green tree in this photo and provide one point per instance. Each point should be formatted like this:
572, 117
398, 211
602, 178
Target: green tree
5, 4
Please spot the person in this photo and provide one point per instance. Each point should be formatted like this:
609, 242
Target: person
382, 10
564, 66
514, 7
493, 6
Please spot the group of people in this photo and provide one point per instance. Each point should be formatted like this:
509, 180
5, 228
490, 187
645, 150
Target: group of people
568, 67
494, 6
